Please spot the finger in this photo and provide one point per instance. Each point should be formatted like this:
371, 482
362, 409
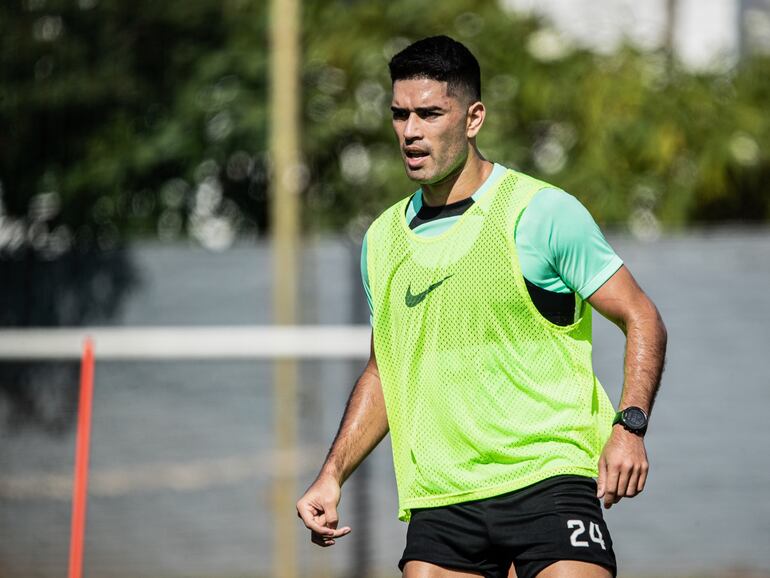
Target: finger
322, 541
623, 479
330, 511
337, 532
600, 482
331, 532
643, 476
331, 521
633, 483
611, 486
639, 478
329, 526
326, 540
312, 521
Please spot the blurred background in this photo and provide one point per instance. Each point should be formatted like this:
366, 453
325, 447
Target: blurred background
141, 179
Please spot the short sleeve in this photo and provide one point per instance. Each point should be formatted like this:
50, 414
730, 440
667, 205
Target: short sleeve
560, 246
365, 278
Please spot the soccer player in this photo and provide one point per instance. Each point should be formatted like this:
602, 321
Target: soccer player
481, 286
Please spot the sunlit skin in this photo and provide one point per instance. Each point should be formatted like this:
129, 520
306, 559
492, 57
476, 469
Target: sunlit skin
436, 133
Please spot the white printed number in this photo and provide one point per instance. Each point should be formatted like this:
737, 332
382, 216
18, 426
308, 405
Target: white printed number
579, 529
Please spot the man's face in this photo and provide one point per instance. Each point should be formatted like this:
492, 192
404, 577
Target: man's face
431, 127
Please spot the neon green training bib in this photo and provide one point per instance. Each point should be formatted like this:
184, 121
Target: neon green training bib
483, 394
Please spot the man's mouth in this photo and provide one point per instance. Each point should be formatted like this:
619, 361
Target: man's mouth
415, 157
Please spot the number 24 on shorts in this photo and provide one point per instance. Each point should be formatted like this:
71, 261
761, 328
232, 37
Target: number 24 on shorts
578, 529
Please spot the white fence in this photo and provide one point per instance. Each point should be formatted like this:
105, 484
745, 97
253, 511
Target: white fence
215, 342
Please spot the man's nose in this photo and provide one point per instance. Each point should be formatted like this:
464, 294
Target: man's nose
412, 128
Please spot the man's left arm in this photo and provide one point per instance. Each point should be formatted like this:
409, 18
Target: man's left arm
623, 464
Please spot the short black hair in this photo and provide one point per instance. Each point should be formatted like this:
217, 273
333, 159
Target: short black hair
439, 58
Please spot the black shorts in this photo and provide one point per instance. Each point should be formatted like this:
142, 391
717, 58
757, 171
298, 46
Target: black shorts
557, 519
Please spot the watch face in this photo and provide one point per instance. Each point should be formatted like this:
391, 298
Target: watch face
634, 418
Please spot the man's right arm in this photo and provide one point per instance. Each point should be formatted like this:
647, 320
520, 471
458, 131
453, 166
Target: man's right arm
363, 426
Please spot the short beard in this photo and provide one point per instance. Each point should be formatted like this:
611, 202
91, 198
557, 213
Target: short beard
452, 173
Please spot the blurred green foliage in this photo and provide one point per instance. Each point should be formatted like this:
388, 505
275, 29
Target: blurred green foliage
121, 119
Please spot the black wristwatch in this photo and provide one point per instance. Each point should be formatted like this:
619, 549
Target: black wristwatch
633, 418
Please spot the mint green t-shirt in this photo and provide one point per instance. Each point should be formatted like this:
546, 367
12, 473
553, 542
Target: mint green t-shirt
560, 246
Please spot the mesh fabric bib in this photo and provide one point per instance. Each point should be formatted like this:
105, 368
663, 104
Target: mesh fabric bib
484, 395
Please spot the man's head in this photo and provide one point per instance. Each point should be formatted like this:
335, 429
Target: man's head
443, 59
436, 107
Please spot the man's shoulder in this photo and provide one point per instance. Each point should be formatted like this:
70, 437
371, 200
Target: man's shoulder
518, 189
518, 179
551, 198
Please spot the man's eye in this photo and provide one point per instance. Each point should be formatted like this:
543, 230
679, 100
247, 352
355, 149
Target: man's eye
399, 115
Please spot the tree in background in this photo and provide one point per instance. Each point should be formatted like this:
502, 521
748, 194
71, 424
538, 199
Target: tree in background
643, 142
117, 110
148, 119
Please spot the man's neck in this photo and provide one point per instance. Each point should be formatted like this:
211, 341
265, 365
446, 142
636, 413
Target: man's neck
461, 184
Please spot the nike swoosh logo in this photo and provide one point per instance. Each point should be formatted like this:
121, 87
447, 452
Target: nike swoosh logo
415, 299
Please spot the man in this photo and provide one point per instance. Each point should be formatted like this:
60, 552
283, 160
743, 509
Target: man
480, 362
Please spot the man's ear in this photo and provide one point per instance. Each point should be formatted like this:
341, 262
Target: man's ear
475, 118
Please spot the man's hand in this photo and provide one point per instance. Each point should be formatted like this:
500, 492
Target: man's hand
363, 426
623, 467
318, 510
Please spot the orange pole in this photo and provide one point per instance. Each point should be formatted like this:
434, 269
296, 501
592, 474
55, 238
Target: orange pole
80, 482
